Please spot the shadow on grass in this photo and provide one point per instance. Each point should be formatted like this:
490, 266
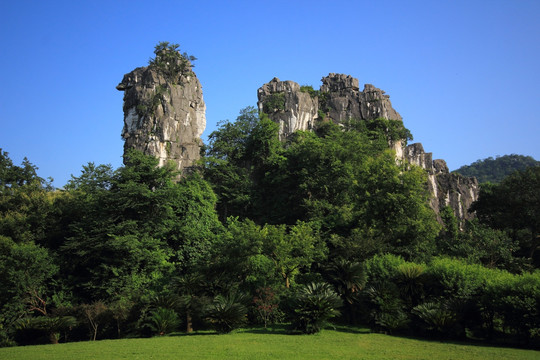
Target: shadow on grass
280, 329
194, 333
494, 343
350, 329
270, 330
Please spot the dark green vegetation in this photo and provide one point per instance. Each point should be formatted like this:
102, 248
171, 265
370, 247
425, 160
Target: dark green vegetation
325, 227
495, 170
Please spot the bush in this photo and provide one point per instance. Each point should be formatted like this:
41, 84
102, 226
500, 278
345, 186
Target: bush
382, 267
515, 299
314, 305
275, 102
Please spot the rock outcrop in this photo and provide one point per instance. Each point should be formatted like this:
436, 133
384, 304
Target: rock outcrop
161, 118
298, 108
447, 189
340, 99
287, 105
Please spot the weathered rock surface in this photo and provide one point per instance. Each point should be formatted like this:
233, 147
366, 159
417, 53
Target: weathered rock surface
163, 119
448, 189
340, 99
291, 108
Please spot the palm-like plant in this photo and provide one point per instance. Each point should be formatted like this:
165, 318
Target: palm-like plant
163, 320
189, 288
227, 313
315, 304
437, 316
386, 306
410, 279
348, 279
52, 325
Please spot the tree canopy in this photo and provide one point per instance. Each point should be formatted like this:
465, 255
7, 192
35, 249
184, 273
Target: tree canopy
324, 224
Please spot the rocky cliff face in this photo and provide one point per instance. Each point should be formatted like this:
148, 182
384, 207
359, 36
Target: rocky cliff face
448, 189
291, 108
161, 118
340, 99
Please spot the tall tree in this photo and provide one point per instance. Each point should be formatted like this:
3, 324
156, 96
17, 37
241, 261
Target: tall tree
514, 205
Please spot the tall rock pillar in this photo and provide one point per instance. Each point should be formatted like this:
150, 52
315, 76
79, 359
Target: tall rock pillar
164, 116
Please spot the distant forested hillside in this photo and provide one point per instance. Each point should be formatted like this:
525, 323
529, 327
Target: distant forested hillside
494, 170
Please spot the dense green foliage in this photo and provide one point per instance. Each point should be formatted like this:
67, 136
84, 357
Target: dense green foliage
495, 170
513, 206
326, 226
275, 102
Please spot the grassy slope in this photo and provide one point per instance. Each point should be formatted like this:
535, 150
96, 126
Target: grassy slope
256, 344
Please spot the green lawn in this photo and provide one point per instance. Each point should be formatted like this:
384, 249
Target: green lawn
258, 344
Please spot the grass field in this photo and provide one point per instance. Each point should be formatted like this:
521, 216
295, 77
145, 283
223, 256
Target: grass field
272, 344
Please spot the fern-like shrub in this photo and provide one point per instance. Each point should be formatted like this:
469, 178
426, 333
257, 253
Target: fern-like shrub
314, 305
227, 313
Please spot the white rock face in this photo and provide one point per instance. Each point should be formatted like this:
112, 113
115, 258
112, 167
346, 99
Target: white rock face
163, 119
296, 110
131, 122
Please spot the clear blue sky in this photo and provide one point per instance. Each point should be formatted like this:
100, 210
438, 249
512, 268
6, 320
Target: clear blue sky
464, 75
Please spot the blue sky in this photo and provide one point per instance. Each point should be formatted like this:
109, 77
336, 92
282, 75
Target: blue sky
464, 75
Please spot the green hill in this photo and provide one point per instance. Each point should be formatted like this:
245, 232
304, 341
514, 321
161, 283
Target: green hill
495, 169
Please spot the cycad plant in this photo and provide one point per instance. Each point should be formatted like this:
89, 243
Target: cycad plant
387, 313
410, 279
52, 325
163, 321
348, 279
315, 304
437, 317
227, 313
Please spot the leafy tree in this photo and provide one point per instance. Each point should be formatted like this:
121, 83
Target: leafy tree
514, 205
15, 176
120, 310
478, 243
117, 246
260, 256
25, 201
191, 222
26, 278
95, 314
291, 251
238, 258
266, 304
227, 164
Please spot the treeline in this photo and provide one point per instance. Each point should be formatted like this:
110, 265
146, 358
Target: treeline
494, 170
325, 226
